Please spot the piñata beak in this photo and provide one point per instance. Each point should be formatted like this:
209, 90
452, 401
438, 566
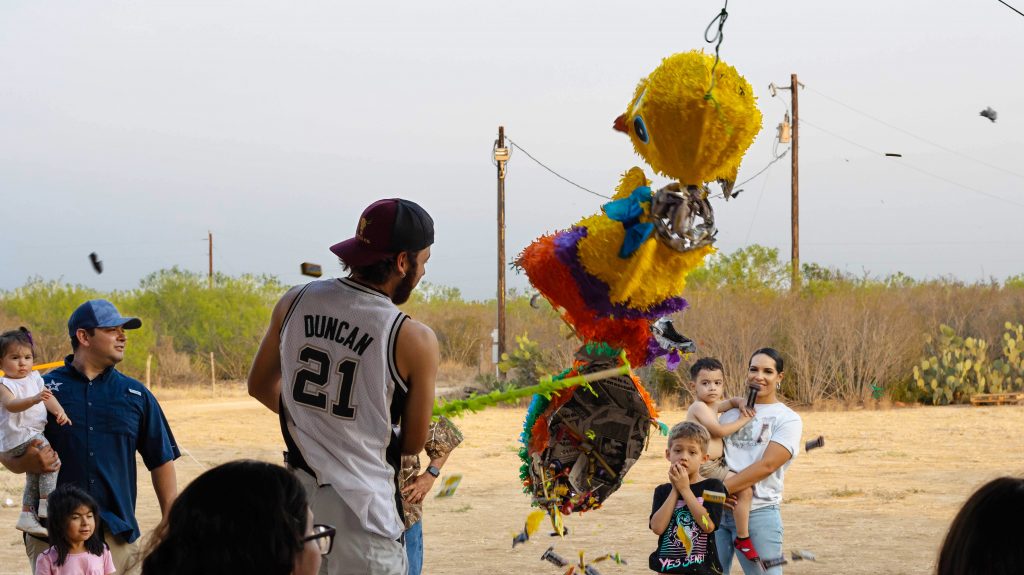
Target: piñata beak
620, 124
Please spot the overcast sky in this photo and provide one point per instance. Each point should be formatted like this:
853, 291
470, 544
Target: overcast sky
129, 129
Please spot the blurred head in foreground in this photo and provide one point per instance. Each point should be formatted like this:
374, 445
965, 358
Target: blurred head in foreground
984, 538
240, 517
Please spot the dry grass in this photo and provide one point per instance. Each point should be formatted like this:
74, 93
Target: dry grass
875, 500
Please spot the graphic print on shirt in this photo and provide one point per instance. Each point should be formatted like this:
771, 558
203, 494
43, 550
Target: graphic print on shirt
684, 543
757, 432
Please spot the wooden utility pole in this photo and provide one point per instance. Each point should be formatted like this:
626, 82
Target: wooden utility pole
794, 282
500, 157
209, 237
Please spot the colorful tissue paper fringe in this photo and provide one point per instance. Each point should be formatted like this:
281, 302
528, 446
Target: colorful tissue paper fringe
607, 298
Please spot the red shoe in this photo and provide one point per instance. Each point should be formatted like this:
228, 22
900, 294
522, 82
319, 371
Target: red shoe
746, 547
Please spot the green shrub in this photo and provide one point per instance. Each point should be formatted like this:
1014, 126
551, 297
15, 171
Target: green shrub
526, 364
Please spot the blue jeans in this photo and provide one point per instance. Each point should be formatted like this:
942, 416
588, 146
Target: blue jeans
765, 532
414, 547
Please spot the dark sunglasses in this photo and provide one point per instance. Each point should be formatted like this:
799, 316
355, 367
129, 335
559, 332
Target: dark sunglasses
324, 537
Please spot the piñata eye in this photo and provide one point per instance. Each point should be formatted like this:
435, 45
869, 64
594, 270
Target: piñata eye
640, 129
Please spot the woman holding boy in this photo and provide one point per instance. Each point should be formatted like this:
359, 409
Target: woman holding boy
760, 452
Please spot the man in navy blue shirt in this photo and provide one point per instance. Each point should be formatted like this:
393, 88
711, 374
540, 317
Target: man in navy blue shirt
114, 417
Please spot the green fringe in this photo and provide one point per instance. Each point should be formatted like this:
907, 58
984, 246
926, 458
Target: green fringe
537, 407
602, 349
476, 403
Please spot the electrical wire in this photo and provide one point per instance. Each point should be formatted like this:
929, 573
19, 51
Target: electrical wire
543, 165
1010, 7
546, 167
910, 166
762, 170
759, 172
915, 136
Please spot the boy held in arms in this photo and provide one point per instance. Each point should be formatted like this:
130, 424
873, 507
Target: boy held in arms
684, 514
707, 382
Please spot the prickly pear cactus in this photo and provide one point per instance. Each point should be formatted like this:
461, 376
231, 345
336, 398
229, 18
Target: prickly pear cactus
955, 371
1008, 371
958, 368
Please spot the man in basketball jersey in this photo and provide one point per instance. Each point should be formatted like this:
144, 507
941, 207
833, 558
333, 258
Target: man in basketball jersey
352, 378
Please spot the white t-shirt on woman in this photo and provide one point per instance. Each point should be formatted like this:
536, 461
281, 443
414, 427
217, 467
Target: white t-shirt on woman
17, 428
773, 422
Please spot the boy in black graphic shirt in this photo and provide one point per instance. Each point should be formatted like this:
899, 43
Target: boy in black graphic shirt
681, 516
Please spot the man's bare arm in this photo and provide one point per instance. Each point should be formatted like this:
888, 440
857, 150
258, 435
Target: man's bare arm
420, 485
165, 485
417, 355
265, 374
774, 457
709, 419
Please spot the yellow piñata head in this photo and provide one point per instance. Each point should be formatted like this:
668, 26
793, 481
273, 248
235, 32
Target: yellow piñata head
682, 134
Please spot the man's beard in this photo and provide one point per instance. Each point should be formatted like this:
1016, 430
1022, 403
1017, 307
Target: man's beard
405, 287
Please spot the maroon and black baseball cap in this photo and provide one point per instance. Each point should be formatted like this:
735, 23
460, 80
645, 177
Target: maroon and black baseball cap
386, 228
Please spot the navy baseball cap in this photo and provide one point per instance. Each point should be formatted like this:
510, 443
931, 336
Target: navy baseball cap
99, 313
386, 228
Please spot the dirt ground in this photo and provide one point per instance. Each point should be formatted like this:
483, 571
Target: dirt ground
876, 499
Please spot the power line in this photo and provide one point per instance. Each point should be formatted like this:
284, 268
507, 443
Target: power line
761, 171
543, 165
588, 190
910, 166
915, 136
1010, 7
777, 158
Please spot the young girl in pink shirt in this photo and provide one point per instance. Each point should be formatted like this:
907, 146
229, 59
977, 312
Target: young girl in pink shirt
76, 535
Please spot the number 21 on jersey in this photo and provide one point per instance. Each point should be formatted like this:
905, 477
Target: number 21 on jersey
309, 387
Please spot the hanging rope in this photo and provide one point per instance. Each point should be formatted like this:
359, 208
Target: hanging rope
717, 41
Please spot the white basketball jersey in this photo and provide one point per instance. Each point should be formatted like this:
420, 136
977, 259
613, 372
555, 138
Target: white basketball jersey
342, 395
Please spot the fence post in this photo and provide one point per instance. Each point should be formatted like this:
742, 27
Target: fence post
149, 362
213, 374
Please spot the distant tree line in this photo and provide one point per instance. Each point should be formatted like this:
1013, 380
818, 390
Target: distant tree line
847, 338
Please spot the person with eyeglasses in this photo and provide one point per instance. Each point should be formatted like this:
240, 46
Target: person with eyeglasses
243, 516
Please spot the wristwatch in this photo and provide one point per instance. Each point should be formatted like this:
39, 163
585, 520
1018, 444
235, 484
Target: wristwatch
433, 470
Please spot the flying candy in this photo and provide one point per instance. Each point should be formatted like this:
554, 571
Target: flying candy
769, 563
96, 263
613, 557
311, 269
803, 555
551, 557
449, 485
533, 521
815, 443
